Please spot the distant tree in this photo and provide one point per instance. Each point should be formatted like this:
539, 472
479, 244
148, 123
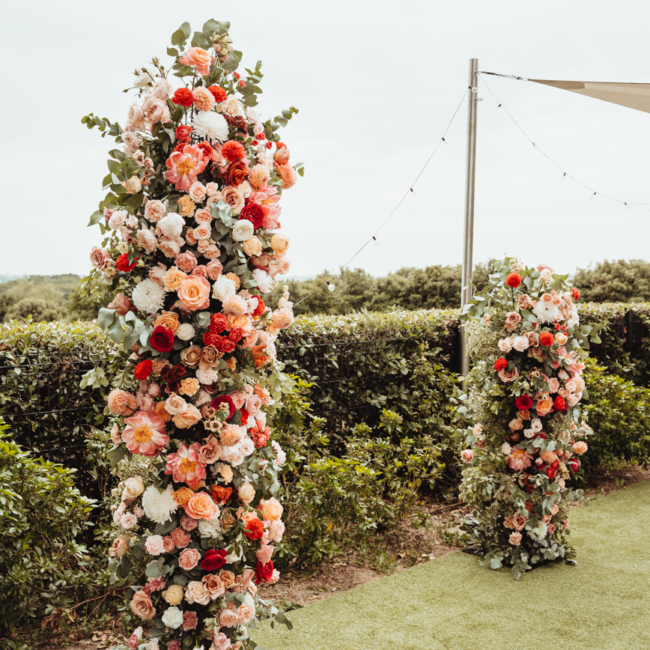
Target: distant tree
615, 281
39, 309
88, 297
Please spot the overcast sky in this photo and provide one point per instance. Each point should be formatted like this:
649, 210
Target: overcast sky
376, 84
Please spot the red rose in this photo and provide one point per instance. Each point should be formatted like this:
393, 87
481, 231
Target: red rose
123, 265
179, 147
269, 145
162, 339
207, 149
227, 345
218, 93
573, 465
183, 96
254, 529
259, 310
560, 403
213, 560
233, 150
143, 369
236, 334
576, 294
253, 213
523, 403
236, 173
500, 364
183, 133
212, 338
263, 572
546, 339
224, 399
244, 417
236, 75
218, 323
513, 280
550, 472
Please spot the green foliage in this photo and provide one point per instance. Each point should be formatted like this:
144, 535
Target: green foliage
41, 516
619, 413
615, 281
36, 309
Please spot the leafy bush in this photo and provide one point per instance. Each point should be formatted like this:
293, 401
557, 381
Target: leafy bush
615, 281
41, 516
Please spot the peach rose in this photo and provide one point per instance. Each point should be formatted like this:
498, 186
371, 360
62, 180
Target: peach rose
280, 244
188, 559
173, 595
287, 174
203, 231
154, 211
120, 546
281, 156
271, 509
246, 493
227, 577
245, 614
187, 418
180, 538
234, 198
191, 356
183, 495
512, 319
201, 506
561, 338
228, 618
120, 402
214, 585
121, 304
142, 606
162, 412
252, 246
199, 58
580, 448
258, 177
506, 375
544, 406
194, 293
467, 455
169, 319
195, 592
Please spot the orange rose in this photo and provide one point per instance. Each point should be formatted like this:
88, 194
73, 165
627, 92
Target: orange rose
199, 58
280, 244
194, 293
201, 506
259, 357
544, 406
169, 319
182, 495
162, 412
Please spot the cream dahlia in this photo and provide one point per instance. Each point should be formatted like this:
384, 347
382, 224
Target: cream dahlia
211, 126
148, 296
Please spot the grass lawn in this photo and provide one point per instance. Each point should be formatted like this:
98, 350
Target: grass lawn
603, 603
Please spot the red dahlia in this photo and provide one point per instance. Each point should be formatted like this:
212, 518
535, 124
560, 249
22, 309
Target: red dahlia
500, 364
254, 529
162, 339
218, 93
546, 339
143, 369
523, 403
253, 212
233, 150
183, 96
513, 280
123, 265
259, 310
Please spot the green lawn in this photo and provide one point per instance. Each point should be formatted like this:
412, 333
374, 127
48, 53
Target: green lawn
452, 603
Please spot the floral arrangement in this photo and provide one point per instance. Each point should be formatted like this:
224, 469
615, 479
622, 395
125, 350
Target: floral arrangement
191, 246
523, 395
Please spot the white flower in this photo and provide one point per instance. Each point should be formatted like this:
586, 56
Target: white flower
247, 445
281, 456
172, 225
207, 376
173, 617
148, 297
144, 77
264, 281
506, 448
536, 425
117, 219
546, 312
529, 433
210, 528
243, 230
521, 343
539, 532
232, 106
223, 287
131, 221
185, 332
210, 125
159, 506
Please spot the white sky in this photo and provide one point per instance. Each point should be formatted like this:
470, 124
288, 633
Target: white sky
376, 83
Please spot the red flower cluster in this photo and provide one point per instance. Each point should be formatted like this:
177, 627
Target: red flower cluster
233, 150
523, 403
263, 572
162, 339
253, 212
143, 369
260, 436
218, 93
183, 97
573, 465
546, 339
254, 529
123, 265
213, 560
513, 280
500, 364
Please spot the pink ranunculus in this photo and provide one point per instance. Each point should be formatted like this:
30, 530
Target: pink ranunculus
186, 262
189, 558
467, 455
214, 269
180, 538
520, 459
183, 167
188, 523
145, 433
515, 539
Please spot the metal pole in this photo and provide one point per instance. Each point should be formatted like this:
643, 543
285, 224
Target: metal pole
468, 244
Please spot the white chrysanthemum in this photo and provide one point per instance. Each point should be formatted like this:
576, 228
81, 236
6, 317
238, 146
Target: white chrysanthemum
159, 506
210, 125
148, 297
546, 312
210, 528
173, 617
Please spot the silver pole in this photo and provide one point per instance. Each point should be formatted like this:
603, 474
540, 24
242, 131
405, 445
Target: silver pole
468, 244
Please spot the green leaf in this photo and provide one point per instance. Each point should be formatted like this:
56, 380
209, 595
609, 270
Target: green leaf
96, 217
172, 51
201, 40
186, 29
105, 318
215, 27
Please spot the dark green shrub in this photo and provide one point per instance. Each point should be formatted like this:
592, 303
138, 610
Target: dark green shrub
41, 515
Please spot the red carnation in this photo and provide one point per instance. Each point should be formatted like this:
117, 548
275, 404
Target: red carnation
573, 465
224, 399
227, 345
218, 323
254, 529
259, 310
183, 96
546, 339
123, 265
513, 280
500, 364
213, 560
576, 294
212, 338
523, 403
236, 334
263, 572
183, 133
143, 369
560, 403
162, 339
233, 150
253, 212
218, 93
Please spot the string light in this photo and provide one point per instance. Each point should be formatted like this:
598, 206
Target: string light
410, 190
627, 204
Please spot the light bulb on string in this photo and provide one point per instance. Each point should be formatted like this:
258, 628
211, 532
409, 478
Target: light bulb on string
474, 90
377, 242
563, 176
445, 142
593, 196
413, 192
330, 286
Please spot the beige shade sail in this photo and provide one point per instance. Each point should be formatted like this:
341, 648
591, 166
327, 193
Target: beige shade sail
631, 95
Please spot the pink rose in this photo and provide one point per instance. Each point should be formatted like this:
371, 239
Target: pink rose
264, 553
508, 375
467, 455
180, 538
512, 319
228, 618
121, 304
187, 523
98, 257
186, 262
188, 559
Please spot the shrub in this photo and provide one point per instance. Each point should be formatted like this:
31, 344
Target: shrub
41, 515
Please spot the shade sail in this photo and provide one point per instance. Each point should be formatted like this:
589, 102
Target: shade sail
631, 95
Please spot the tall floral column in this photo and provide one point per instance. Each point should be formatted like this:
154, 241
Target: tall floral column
523, 396
191, 248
